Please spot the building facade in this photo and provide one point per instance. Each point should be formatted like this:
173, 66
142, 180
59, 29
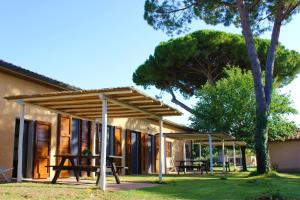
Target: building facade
47, 133
284, 155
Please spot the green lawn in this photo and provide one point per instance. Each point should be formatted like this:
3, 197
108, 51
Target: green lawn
234, 186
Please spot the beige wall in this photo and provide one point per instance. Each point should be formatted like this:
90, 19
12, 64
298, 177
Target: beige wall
285, 155
11, 85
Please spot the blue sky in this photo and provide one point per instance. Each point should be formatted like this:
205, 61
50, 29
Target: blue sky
95, 44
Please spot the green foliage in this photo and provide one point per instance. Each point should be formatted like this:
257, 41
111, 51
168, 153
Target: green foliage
229, 106
173, 16
186, 63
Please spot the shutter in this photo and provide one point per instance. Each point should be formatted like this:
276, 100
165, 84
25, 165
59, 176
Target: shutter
128, 151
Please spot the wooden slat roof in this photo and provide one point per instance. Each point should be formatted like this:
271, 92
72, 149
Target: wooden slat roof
122, 102
200, 136
226, 143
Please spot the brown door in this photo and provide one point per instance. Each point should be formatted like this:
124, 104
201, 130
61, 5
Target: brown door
157, 153
118, 144
64, 140
42, 140
128, 151
143, 153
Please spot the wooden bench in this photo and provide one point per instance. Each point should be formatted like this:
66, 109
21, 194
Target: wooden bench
89, 168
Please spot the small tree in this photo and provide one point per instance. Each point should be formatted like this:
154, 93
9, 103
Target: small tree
229, 107
254, 17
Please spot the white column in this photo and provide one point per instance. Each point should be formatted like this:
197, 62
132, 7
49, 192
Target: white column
20, 144
184, 155
210, 155
165, 154
200, 150
234, 157
94, 127
102, 181
160, 148
223, 156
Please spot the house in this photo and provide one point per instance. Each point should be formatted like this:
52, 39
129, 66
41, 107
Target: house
47, 133
284, 155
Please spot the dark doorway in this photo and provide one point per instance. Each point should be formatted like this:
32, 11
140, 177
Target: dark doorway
151, 154
25, 147
135, 156
75, 137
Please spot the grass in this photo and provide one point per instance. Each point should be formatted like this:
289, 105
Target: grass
232, 186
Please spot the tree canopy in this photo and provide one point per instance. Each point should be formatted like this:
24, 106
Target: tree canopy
186, 63
229, 106
173, 16
254, 17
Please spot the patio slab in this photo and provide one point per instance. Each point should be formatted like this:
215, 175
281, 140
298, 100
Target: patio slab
87, 183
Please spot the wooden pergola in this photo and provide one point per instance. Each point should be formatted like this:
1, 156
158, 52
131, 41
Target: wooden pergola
210, 139
96, 105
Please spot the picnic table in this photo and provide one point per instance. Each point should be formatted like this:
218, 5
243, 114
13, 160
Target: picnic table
227, 165
201, 165
89, 168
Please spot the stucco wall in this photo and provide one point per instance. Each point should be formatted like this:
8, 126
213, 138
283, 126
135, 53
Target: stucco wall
9, 112
285, 155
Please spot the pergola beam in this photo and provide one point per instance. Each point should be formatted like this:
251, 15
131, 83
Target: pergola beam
210, 155
20, 142
96, 109
234, 156
74, 106
121, 112
71, 96
69, 102
132, 107
160, 149
102, 182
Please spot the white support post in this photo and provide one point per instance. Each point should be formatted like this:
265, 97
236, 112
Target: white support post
20, 143
160, 148
234, 157
223, 156
200, 150
165, 154
184, 155
210, 155
94, 145
102, 181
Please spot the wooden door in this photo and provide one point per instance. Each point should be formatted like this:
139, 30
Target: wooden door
144, 153
42, 142
64, 140
128, 151
157, 153
118, 144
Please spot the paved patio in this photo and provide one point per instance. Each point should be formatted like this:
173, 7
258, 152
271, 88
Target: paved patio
87, 183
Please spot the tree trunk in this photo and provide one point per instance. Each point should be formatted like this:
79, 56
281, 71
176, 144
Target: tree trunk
261, 142
271, 53
179, 103
261, 106
244, 164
